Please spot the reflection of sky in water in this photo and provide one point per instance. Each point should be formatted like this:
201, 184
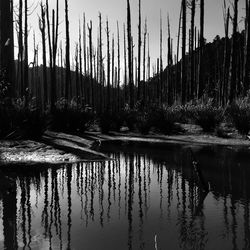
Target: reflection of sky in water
134, 202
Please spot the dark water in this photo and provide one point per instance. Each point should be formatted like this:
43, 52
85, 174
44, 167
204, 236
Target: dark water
147, 198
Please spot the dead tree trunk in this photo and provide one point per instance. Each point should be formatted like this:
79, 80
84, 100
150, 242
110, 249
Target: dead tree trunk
184, 76
226, 56
202, 43
108, 68
177, 83
20, 48
50, 46
6, 43
101, 64
139, 55
42, 25
160, 65
192, 48
144, 61
130, 58
55, 24
68, 74
80, 64
26, 54
170, 88
53, 41
233, 55
247, 54
119, 68
91, 64
125, 66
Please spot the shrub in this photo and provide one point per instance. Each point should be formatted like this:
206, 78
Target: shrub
206, 115
143, 122
117, 121
105, 122
130, 117
239, 113
20, 122
111, 121
164, 119
71, 117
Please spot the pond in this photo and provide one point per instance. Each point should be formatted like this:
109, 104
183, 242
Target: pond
145, 198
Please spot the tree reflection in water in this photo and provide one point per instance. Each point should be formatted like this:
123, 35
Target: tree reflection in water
125, 203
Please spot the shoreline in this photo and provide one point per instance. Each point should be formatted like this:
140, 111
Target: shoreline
61, 148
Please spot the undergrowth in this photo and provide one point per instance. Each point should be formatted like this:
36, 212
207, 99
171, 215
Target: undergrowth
239, 112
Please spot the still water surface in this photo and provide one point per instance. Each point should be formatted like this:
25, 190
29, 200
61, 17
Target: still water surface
147, 198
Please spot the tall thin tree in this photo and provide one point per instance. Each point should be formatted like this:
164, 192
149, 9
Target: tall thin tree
184, 76
202, 43
67, 51
139, 55
233, 65
130, 58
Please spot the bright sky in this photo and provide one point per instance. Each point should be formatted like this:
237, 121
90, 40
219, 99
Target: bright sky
115, 10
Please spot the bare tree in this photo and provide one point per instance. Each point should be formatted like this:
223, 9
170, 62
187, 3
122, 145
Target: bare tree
139, 54
42, 26
184, 76
202, 43
192, 48
6, 42
233, 65
247, 49
130, 58
144, 59
68, 74
108, 67
20, 47
26, 54
91, 64
119, 67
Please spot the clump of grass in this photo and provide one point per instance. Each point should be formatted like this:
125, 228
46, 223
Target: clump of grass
111, 121
105, 122
206, 115
117, 121
130, 117
143, 122
239, 112
71, 117
164, 119
21, 122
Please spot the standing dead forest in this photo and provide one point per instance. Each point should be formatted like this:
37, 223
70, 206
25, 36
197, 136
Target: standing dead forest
112, 81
